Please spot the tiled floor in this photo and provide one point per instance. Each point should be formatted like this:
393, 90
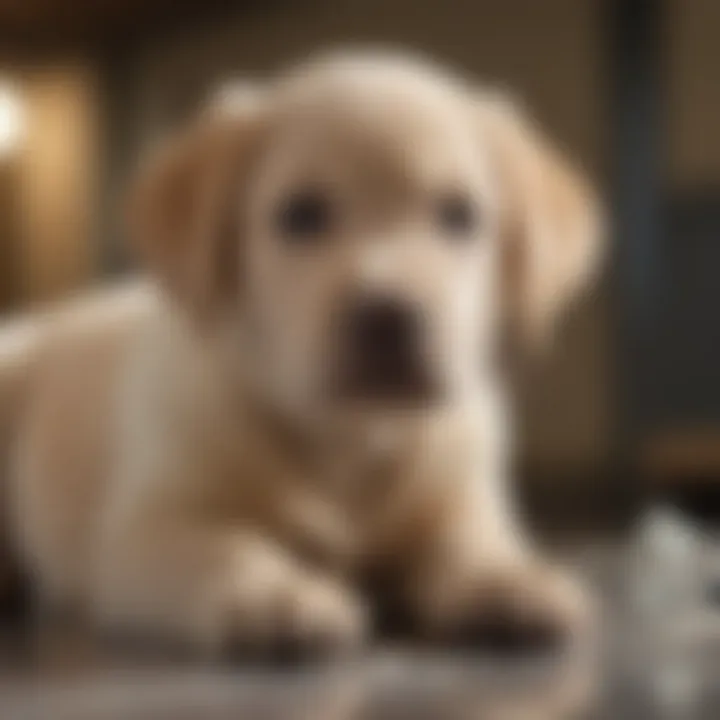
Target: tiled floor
57, 674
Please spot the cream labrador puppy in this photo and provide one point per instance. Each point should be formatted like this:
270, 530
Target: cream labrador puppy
308, 396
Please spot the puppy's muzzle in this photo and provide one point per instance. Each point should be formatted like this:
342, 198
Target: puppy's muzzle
381, 350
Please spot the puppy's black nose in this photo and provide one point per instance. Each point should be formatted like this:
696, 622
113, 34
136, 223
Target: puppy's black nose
382, 348
383, 329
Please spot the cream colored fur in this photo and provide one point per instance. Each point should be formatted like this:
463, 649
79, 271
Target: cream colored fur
174, 473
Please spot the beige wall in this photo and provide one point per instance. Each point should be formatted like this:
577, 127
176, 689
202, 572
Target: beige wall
57, 176
548, 51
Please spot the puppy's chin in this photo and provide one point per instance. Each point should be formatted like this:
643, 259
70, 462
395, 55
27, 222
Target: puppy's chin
407, 392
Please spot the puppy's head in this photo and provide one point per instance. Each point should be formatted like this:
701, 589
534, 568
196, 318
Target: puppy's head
370, 228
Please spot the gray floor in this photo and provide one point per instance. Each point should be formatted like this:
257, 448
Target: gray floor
62, 674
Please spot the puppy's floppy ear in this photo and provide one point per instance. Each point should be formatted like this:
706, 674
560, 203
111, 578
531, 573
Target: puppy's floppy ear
550, 222
185, 209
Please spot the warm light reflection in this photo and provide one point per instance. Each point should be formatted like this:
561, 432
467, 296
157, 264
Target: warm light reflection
11, 119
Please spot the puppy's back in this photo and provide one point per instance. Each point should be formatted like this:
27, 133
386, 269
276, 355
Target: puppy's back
58, 379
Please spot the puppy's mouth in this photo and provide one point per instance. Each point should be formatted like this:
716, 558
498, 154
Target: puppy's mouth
388, 383
381, 357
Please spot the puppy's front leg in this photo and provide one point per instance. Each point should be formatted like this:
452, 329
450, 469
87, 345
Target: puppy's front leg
219, 587
480, 584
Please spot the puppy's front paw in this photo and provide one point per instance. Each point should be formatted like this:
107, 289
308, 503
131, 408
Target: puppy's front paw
517, 610
302, 617
246, 597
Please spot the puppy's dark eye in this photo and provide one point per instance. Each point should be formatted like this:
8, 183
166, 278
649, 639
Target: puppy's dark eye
304, 216
457, 215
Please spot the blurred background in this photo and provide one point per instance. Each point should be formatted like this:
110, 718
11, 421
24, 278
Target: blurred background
631, 396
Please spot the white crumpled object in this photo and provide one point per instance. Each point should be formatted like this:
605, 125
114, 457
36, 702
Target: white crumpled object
674, 566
